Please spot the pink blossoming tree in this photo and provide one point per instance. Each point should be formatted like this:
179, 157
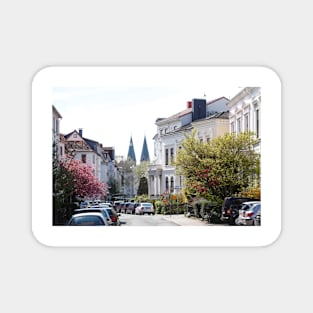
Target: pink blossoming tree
85, 183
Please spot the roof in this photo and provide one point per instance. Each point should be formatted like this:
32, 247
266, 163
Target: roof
76, 145
56, 111
92, 144
175, 116
131, 152
185, 112
144, 153
215, 100
217, 115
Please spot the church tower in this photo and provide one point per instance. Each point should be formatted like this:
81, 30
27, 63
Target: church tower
145, 152
131, 151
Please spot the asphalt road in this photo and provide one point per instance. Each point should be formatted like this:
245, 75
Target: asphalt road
144, 220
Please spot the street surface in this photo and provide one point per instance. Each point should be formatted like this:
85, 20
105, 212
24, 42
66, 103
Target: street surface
159, 220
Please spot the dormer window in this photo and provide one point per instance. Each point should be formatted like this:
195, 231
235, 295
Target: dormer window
74, 135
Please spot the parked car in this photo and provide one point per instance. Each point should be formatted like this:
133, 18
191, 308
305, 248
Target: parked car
105, 204
87, 219
124, 206
248, 213
119, 208
132, 208
114, 217
144, 207
96, 209
116, 205
231, 207
84, 205
245, 206
257, 220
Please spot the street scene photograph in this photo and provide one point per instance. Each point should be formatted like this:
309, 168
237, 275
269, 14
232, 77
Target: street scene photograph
156, 155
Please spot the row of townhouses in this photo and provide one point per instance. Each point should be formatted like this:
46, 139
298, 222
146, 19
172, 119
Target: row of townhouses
93, 153
210, 120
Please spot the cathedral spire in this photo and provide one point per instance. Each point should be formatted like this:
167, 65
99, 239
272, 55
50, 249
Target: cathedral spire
131, 151
144, 152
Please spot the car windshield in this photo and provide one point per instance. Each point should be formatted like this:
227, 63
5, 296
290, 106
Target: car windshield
256, 207
90, 220
247, 206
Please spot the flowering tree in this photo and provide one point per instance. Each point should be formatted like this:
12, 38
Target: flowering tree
85, 183
220, 168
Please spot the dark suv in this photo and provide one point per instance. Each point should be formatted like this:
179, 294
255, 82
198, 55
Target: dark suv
230, 208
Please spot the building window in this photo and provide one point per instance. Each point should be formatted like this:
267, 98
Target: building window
172, 184
93, 159
74, 135
166, 156
61, 151
239, 125
172, 154
208, 139
257, 123
84, 158
232, 127
166, 183
246, 122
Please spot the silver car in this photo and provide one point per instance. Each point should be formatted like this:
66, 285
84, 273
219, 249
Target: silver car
87, 219
144, 208
248, 213
96, 209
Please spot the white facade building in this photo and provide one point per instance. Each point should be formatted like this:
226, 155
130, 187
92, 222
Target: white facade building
245, 113
78, 147
58, 143
207, 118
100, 158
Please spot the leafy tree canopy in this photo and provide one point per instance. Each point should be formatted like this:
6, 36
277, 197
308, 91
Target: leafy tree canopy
219, 168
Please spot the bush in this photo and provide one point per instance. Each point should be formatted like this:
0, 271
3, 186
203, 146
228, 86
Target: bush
158, 206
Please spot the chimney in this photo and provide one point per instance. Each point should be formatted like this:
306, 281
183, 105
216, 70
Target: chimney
189, 104
198, 109
80, 131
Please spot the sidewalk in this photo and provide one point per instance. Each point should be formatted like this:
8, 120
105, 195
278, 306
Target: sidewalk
182, 220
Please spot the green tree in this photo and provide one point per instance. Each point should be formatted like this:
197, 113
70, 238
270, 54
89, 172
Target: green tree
63, 189
113, 185
219, 168
143, 186
141, 178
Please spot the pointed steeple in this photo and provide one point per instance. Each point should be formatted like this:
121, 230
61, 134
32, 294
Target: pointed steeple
131, 151
144, 152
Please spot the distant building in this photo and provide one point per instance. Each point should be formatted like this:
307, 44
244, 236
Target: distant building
131, 151
145, 153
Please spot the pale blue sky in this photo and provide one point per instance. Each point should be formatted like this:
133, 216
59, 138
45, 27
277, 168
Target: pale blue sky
111, 115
